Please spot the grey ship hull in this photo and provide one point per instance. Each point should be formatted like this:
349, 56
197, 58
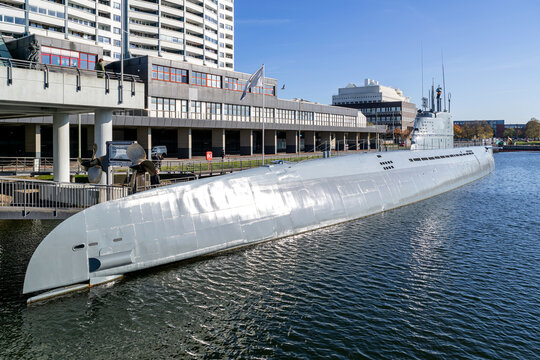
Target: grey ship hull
205, 216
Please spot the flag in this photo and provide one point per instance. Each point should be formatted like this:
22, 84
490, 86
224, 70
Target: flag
255, 80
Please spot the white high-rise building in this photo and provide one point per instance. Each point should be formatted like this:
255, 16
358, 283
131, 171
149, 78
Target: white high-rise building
197, 31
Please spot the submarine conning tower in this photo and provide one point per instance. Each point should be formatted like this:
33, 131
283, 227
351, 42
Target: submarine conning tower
433, 128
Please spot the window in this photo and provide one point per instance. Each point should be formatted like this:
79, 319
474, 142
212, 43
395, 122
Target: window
208, 80
166, 73
116, 18
104, 39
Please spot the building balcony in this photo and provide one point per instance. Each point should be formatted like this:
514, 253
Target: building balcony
194, 7
44, 19
144, 5
172, 22
194, 50
86, 3
143, 16
143, 40
81, 28
194, 28
143, 28
171, 10
194, 39
81, 14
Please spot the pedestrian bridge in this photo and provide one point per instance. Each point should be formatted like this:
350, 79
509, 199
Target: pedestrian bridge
32, 89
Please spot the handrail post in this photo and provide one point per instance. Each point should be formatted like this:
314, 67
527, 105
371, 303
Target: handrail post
46, 76
9, 73
107, 86
78, 79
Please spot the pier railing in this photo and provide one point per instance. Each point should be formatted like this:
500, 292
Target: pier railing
27, 194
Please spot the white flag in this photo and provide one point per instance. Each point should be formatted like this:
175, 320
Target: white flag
255, 80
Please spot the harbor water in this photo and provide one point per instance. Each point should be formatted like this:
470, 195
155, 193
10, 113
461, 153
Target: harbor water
456, 276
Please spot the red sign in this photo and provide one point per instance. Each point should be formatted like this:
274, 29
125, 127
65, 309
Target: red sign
208, 155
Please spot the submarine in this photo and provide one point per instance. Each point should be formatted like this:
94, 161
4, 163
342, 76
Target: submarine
177, 222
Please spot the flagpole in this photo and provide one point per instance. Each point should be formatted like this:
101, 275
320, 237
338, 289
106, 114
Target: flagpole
263, 114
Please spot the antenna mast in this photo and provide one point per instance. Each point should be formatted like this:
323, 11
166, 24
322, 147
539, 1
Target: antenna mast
443, 82
422, 62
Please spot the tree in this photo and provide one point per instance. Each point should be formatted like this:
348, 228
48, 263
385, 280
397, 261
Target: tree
532, 129
458, 132
510, 132
484, 131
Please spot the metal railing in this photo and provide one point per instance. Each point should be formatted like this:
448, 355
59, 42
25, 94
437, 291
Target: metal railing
25, 194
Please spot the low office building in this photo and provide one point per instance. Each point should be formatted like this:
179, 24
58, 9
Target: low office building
192, 109
382, 105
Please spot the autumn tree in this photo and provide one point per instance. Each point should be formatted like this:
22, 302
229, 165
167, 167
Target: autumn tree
484, 130
458, 131
532, 129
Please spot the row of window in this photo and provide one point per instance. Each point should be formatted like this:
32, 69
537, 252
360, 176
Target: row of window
469, 152
42, 11
166, 73
12, 19
61, 57
208, 80
201, 110
171, 74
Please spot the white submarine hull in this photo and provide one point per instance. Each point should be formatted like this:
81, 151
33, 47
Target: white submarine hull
205, 216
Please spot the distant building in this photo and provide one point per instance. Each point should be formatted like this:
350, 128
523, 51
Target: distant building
382, 105
498, 126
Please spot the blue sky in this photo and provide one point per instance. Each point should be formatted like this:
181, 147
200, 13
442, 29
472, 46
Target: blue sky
491, 49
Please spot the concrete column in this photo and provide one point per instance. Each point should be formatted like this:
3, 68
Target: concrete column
89, 138
38, 141
309, 141
184, 143
292, 142
102, 130
29, 139
61, 147
270, 142
144, 138
353, 141
325, 141
246, 142
341, 139
218, 141
364, 141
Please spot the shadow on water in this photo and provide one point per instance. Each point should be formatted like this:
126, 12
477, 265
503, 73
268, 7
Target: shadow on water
454, 276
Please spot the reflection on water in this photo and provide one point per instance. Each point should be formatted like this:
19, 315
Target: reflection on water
455, 276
